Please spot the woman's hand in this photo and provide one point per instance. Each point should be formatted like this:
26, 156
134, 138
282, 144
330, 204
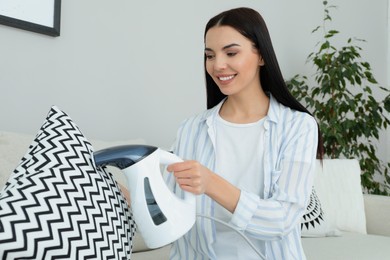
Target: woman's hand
191, 176
195, 178
125, 193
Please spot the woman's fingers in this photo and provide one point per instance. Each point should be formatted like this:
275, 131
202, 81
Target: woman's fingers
181, 166
190, 175
125, 192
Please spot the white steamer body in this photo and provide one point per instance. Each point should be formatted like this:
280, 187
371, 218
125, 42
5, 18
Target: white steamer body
161, 216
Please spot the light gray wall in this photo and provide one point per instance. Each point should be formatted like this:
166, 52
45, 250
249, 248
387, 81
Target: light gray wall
126, 69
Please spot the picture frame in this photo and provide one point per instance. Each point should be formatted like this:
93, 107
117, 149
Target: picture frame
40, 16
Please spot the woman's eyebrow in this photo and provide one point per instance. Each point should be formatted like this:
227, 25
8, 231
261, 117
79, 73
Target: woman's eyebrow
230, 45
225, 47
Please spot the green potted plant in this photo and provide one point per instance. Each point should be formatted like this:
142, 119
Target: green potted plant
340, 96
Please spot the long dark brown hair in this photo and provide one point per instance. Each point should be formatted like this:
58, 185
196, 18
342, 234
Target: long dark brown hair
251, 24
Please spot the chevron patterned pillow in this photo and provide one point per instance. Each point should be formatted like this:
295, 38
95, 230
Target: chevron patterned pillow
313, 219
57, 204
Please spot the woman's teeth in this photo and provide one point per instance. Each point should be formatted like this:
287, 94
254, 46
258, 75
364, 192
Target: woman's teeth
226, 78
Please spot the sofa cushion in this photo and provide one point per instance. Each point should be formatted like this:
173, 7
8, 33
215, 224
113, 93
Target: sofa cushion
12, 148
338, 186
377, 210
57, 204
152, 254
349, 246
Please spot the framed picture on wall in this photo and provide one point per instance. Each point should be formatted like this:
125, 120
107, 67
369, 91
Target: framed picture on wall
40, 16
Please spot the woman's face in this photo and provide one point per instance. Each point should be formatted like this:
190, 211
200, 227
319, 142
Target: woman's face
232, 60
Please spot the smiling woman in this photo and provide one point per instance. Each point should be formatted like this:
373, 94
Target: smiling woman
245, 168
41, 16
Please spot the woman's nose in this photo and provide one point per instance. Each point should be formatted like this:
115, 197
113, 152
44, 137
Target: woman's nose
219, 63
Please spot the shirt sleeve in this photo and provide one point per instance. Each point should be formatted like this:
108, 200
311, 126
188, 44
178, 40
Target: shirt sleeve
277, 215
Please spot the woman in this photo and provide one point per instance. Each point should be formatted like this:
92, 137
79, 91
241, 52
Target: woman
250, 157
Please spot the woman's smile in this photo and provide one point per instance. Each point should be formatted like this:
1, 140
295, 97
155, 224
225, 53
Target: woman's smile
226, 79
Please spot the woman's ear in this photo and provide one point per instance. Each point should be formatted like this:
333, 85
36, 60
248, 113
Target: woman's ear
261, 61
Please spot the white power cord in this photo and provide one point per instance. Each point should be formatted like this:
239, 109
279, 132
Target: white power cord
237, 230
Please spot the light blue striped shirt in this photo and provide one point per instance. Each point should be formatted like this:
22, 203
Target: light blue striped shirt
289, 166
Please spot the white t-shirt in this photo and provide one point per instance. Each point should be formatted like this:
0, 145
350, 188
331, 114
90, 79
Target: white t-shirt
239, 160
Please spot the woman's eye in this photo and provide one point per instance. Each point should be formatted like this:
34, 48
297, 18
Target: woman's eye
231, 54
209, 56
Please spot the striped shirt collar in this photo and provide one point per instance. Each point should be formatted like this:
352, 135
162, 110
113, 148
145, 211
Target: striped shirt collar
272, 115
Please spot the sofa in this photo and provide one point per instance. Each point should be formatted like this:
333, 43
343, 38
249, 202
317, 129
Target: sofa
353, 225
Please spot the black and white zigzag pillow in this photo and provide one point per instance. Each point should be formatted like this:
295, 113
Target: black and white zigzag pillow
58, 205
313, 219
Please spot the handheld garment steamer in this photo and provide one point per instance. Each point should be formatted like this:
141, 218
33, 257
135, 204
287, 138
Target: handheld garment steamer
161, 216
